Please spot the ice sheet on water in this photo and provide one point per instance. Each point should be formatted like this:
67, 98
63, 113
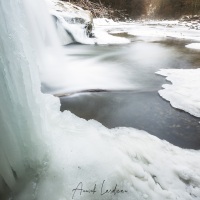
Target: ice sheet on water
184, 91
193, 46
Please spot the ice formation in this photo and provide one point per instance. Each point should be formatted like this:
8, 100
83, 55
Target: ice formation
161, 29
193, 46
184, 91
63, 150
73, 24
21, 102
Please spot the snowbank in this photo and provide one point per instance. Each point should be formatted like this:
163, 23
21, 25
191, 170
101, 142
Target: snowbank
87, 152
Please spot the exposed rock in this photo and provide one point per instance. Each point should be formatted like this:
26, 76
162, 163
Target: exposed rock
190, 17
193, 22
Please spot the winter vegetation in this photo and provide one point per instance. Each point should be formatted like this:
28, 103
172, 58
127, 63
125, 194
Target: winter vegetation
140, 8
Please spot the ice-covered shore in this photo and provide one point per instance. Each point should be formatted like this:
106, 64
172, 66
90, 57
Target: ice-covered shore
153, 29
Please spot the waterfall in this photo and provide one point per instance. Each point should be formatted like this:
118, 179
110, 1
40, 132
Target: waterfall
34, 134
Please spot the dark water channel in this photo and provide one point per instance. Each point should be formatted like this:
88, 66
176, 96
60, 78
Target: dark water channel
141, 108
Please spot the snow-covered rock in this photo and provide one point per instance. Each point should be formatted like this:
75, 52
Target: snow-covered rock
73, 24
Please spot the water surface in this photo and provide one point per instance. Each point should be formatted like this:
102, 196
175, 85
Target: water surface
140, 107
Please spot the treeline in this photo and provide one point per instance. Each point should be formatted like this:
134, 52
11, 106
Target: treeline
99, 9
154, 8
173, 8
134, 9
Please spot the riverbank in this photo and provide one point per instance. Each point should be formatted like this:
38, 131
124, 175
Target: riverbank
152, 29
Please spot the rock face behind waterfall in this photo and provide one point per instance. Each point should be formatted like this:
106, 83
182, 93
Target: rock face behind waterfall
73, 24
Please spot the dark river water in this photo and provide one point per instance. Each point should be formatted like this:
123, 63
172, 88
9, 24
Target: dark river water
142, 107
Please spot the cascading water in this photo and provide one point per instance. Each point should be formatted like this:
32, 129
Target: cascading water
78, 152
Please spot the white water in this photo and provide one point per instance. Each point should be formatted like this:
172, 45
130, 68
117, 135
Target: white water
32, 129
59, 77
69, 32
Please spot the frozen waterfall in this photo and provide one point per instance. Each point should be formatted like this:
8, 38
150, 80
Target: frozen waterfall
63, 150
24, 43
